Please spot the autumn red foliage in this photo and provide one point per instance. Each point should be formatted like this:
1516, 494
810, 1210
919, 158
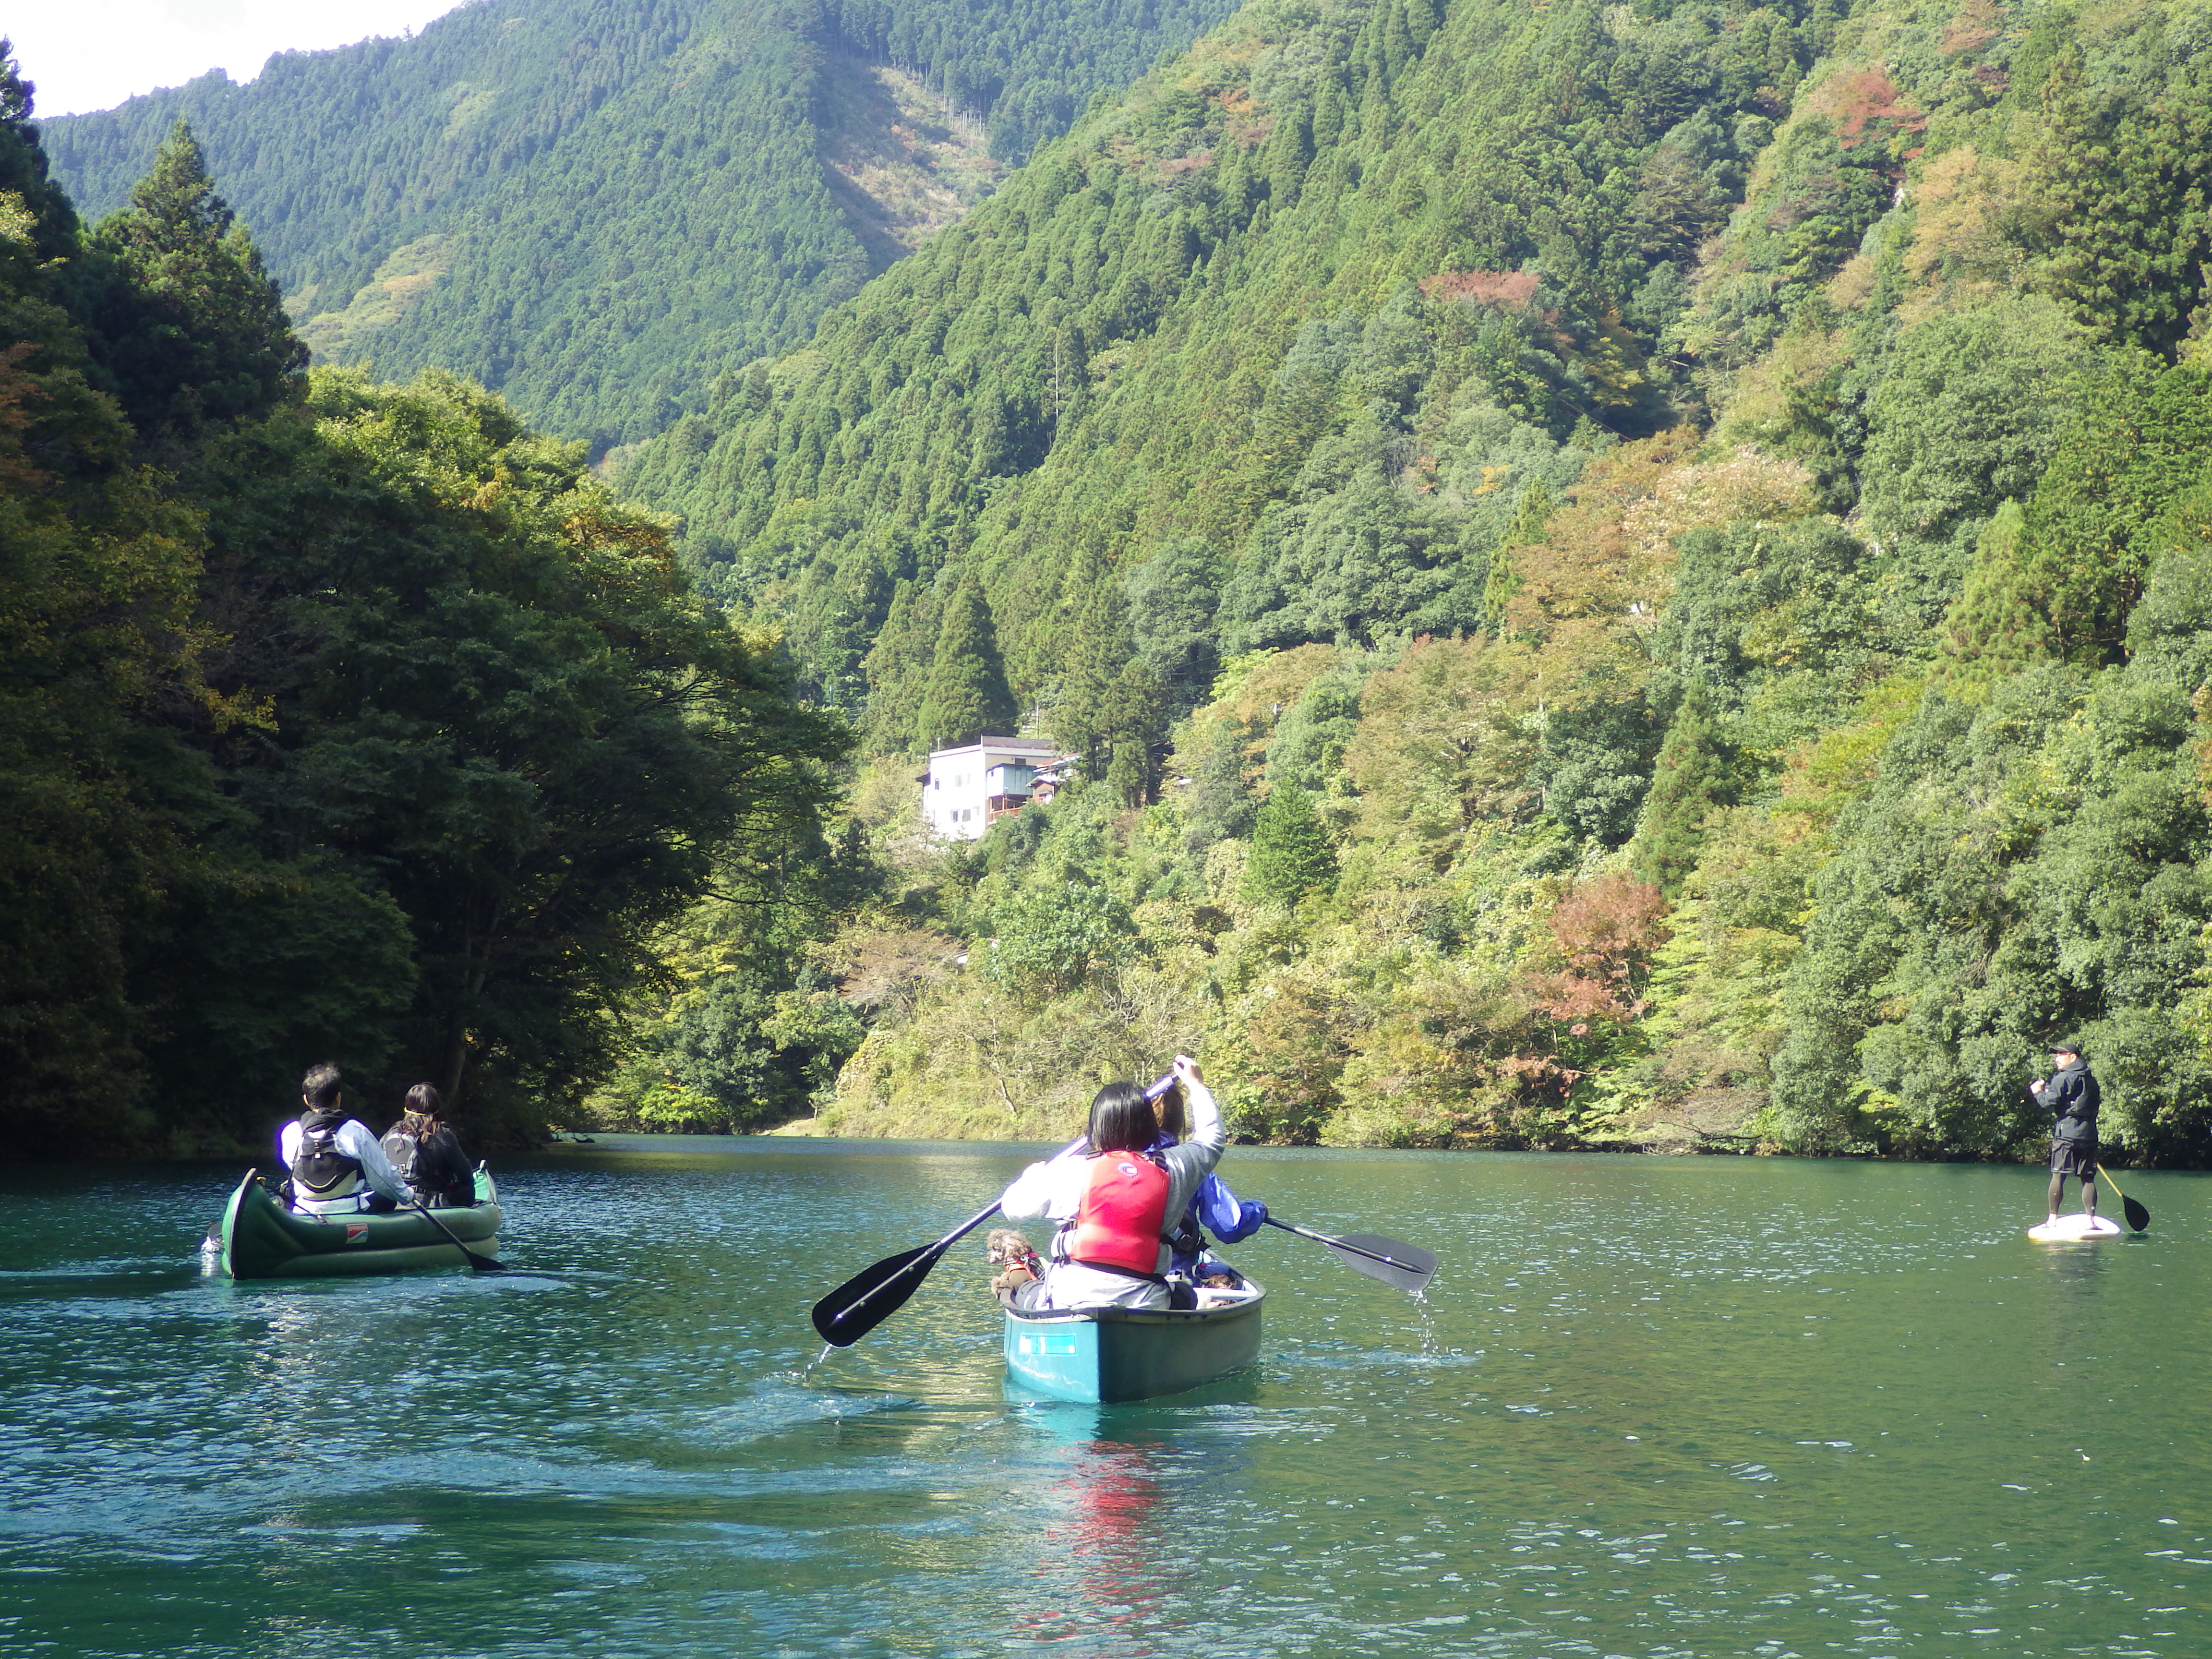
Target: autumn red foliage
1869, 100
1605, 931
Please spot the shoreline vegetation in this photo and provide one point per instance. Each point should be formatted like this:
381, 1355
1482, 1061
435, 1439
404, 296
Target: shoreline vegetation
1606, 577
337, 718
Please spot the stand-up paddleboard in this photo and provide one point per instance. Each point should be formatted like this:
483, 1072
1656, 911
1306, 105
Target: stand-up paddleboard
2068, 1229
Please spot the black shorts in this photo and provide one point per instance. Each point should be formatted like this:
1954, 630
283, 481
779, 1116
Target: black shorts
2074, 1158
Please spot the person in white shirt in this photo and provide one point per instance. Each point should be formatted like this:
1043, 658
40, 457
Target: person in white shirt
1116, 1197
337, 1167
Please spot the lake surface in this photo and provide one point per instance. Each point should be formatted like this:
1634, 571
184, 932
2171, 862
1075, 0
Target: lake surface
1651, 1408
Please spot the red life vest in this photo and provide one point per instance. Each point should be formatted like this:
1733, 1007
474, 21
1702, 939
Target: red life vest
1124, 1208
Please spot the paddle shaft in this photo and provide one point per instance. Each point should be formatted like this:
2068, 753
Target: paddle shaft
919, 1267
1336, 1243
480, 1264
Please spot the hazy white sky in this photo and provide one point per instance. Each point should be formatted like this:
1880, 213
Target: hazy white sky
91, 54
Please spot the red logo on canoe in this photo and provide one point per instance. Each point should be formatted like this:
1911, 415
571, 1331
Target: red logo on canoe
357, 1231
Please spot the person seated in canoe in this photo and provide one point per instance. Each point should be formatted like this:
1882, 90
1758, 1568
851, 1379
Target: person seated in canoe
1213, 1209
336, 1166
1115, 1197
428, 1154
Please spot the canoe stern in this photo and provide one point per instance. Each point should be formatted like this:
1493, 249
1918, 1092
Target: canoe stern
1105, 1355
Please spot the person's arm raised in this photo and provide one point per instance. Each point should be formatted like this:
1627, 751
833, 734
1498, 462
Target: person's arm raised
374, 1163
1207, 1131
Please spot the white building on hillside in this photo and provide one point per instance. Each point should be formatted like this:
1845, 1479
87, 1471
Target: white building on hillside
965, 788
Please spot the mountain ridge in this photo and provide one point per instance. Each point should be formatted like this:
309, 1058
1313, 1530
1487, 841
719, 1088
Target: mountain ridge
632, 198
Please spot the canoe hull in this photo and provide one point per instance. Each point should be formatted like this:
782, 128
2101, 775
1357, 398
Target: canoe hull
259, 1239
1105, 1355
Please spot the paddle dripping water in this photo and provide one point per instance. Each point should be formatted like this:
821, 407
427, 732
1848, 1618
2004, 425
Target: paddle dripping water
1656, 1408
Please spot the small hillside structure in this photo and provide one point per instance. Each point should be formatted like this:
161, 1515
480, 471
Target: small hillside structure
968, 788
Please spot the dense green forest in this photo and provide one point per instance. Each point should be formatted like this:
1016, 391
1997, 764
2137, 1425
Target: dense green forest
1620, 576
1625, 576
595, 206
338, 719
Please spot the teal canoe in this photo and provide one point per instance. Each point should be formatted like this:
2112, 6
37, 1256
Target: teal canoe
259, 1239
1103, 1355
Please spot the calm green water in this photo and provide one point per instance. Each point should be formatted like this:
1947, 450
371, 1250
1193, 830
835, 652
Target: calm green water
1652, 1407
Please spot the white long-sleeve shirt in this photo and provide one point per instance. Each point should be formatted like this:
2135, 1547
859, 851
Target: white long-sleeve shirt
1053, 1191
354, 1139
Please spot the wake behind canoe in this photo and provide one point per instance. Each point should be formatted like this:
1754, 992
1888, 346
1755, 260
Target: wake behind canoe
260, 1238
1103, 1355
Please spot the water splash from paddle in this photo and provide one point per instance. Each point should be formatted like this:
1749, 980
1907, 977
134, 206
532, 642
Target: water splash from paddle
1428, 1319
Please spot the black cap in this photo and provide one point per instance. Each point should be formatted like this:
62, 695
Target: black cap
2065, 1046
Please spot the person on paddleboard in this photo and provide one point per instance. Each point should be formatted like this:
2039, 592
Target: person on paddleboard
2071, 1097
1117, 1197
336, 1166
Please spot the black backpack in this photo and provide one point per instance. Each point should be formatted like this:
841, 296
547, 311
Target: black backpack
320, 1169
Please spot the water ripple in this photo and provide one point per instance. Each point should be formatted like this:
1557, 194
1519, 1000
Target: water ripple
1652, 1408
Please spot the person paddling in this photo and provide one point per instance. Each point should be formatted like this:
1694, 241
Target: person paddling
1213, 1208
428, 1154
2071, 1097
337, 1168
1115, 1196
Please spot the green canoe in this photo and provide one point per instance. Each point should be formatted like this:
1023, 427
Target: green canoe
260, 1238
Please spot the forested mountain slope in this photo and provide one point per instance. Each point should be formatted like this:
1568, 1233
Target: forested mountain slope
595, 206
1618, 573
338, 721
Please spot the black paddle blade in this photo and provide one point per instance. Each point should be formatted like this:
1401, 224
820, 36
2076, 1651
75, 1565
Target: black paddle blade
873, 1295
478, 1263
2138, 1217
1409, 1267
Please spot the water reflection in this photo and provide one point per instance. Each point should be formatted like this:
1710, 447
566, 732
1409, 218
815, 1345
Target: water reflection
1126, 1511
1099, 1548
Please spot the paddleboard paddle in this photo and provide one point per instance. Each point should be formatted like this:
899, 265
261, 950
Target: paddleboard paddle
2138, 1218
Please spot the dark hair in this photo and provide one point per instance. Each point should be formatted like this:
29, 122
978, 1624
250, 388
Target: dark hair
1169, 1109
1121, 1120
319, 1088
423, 1100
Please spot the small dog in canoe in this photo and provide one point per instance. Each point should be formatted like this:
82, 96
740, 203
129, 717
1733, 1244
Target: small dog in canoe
1015, 1258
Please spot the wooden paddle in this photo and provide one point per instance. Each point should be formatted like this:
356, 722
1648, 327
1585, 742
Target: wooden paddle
478, 1264
2138, 1218
1406, 1267
875, 1293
